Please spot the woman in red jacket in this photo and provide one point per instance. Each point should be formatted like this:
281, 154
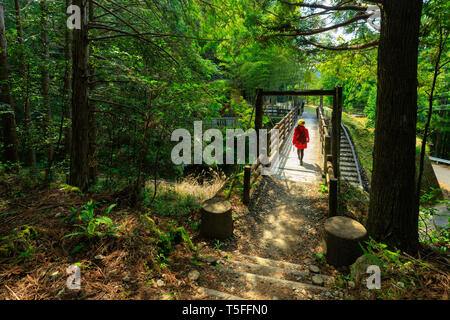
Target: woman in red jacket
301, 139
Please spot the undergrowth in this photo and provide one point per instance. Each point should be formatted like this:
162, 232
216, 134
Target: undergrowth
402, 276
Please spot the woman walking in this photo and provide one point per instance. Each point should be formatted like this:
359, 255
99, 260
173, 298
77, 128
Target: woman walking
301, 139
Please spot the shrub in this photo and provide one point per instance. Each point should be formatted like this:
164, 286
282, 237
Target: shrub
90, 223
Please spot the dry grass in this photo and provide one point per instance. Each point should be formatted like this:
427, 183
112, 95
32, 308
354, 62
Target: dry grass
203, 192
190, 187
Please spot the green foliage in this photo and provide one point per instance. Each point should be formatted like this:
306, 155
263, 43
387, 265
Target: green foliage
340, 280
218, 245
165, 241
320, 258
169, 203
323, 189
356, 72
92, 225
378, 254
195, 262
196, 226
435, 236
401, 274
18, 242
70, 188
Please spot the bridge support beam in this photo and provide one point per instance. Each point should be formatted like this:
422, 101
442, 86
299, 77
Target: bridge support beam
336, 133
336, 118
247, 172
259, 113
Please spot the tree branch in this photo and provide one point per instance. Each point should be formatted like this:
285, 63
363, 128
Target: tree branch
338, 7
125, 33
320, 30
366, 45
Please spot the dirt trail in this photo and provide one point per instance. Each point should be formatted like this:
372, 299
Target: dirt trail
273, 251
284, 222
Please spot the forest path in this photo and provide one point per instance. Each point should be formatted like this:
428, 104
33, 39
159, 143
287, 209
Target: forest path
288, 166
273, 252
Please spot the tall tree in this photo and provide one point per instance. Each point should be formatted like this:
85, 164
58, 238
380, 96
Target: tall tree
45, 86
79, 165
24, 73
67, 86
8, 117
393, 213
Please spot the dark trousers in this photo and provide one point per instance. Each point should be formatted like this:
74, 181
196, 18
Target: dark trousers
300, 153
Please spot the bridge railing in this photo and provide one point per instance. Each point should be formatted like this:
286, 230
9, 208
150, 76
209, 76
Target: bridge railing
328, 171
284, 127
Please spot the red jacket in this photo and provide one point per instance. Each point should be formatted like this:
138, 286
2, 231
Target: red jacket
296, 141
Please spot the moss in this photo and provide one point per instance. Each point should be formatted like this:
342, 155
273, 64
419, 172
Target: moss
18, 241
150, 224
181, 232
70, 188
166, 241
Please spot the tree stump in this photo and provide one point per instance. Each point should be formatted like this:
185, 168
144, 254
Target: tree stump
342, 238
217, 221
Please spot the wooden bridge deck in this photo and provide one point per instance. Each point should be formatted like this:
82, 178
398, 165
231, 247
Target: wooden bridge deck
288, 167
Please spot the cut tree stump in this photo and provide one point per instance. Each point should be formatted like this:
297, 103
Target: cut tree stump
217, 221
342, 238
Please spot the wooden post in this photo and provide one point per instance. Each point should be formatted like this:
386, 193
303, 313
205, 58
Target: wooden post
247, 171
334, 134
258, 114
337, 171
333, 197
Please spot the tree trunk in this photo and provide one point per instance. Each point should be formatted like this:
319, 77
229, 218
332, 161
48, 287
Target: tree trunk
393, 213
8, 118
93, 161
45, 87
93, 166
67, 88
79, 166
27, 105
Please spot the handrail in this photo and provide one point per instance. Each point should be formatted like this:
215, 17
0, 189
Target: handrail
284, 126
439, 160
328, 171
325, 141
